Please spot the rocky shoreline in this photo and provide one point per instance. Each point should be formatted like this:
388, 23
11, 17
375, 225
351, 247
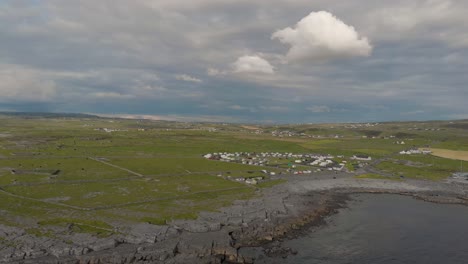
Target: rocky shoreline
283, 211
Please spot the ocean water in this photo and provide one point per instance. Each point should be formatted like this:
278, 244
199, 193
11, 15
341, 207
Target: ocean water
390, 229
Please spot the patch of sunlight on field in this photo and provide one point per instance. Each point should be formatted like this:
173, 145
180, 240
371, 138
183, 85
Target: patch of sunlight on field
450, 154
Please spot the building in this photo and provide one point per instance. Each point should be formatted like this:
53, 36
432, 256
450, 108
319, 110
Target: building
361, 157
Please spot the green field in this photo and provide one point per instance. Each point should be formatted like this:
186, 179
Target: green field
57, 171
420, 167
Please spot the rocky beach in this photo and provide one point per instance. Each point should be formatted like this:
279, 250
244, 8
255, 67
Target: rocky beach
223, 236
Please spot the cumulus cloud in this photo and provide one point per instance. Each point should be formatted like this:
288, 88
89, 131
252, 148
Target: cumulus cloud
252, 64
187, 78
322, 36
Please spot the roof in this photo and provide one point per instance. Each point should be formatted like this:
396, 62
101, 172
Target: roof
361, 156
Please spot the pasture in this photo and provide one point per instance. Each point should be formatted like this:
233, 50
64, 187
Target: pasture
102, 174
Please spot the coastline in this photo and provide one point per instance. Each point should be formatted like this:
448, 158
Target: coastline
281, 212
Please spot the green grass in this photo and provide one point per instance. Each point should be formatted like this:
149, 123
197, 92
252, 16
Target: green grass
99, 194
350, 166
321, 142
28, 208
421, 167
182, 208
349, 147
71, 169
98, 228
156, 166
454, 143
430, 173
177, 183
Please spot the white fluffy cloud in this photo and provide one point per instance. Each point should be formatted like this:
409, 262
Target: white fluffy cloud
187, 78
322, 36
252, 64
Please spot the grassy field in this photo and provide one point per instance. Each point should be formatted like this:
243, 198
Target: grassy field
373, 147
155, 166
420, 167
60, 171
450, 154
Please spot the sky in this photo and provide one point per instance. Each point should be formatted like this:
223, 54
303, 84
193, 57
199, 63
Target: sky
267, 61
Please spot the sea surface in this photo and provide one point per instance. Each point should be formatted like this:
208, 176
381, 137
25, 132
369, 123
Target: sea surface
381, 228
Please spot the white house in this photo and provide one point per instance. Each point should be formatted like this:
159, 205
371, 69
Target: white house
323, 164
251, 181
361, 157
426, 151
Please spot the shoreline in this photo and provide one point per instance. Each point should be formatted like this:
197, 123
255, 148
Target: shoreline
283, 211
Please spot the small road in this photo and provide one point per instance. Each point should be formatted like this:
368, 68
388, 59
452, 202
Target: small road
116, 166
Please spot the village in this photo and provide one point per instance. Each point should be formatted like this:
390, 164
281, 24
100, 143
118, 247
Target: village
294, 164
415, 151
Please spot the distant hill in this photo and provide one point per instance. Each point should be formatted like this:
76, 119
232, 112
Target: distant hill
460, 125
47, 115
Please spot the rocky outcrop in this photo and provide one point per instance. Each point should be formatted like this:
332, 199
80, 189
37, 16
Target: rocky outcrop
219, 237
